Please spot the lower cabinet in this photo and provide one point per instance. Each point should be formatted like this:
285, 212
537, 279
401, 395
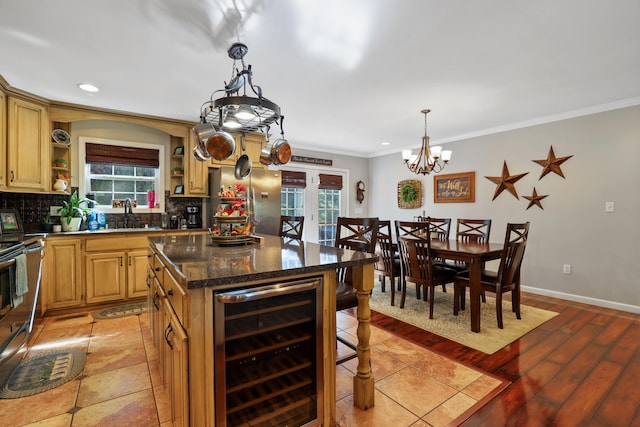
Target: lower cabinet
175, 367
62, 274
105, 277
114, 276
169, 338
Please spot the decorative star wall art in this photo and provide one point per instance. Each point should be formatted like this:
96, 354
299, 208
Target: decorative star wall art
505, 182
534, 199
551, 164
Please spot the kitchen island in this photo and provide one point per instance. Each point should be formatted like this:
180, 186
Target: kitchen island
197, 294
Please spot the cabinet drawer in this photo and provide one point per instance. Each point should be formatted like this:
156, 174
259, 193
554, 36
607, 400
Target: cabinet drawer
157, 266
119, 243
175, 295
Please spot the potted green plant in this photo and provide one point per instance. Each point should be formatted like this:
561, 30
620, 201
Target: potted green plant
177, 170
60, 163
72, 214
47, 224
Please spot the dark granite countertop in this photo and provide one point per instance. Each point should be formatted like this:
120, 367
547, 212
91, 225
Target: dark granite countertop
203, 264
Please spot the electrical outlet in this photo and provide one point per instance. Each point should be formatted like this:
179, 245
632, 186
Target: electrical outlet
609, 207
54, 210
566, 269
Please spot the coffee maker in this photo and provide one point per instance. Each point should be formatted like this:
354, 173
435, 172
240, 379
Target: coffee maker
194, 217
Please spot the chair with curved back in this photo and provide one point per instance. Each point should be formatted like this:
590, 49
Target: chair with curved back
358, 234
471, 230
506, 279
441, 226
291, 226
418, 266
388, 263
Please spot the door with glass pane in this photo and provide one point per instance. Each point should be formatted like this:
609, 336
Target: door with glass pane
320, 206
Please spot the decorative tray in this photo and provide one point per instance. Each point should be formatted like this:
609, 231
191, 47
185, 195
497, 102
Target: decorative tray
230, 218
232, 240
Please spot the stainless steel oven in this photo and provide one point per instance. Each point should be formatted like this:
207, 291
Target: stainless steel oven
20, 273
268, 347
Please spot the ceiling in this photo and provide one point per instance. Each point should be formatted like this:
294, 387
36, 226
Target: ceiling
348, 75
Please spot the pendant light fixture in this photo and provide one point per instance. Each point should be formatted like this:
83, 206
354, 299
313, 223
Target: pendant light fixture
237, 111
429, 159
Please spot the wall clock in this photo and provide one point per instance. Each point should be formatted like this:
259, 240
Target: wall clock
360, 191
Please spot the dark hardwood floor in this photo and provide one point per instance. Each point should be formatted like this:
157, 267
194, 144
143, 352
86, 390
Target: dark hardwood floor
581, 368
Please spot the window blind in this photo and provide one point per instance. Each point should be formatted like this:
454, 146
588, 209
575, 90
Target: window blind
330, 182
294, 179
122, 156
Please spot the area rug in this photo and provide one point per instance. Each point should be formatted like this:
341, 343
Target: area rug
121, 311
43, 372
458, 328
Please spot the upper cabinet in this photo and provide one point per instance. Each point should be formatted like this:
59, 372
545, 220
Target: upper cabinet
189, 177
3, 138
27, 148
253, 143
197, 173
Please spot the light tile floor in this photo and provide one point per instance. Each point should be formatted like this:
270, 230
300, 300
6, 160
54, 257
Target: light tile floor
121, 386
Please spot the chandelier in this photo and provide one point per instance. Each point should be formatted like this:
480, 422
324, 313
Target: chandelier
429, 159
238, 112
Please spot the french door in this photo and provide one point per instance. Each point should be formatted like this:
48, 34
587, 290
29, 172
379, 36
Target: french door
320, 207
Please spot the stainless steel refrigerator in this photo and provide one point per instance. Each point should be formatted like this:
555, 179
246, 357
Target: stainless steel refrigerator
263, 191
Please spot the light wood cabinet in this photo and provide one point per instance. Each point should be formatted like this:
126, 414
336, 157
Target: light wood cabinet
197, 173
169, 337
115, 268
253, 144
62, 274
106, 277
3, 138
175, 367
137, 262
28, 154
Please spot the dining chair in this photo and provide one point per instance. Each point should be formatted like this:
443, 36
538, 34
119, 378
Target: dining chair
440, 227
417, 264
474, 231
291, 226
388, 263
506, 279
359, 234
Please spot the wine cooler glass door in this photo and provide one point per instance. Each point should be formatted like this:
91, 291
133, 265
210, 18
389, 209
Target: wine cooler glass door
268, 355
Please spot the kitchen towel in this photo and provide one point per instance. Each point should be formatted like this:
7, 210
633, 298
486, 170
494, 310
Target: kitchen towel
22, 286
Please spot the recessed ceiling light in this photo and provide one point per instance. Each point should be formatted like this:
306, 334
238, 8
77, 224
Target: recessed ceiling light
386, 143
88, 87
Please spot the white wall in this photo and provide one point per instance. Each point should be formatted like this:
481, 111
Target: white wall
573, 228
358, 170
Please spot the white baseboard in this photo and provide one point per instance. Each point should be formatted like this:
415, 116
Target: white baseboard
582, 299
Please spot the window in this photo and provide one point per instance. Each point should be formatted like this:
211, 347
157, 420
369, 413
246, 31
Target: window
328, 213
292, 193
118, 170
292, 201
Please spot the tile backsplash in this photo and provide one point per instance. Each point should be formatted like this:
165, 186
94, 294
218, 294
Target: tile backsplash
34, 207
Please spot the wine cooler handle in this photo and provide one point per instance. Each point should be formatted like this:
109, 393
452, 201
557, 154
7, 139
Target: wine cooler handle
265, 292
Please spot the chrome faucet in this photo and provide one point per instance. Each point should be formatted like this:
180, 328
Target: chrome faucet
127, 211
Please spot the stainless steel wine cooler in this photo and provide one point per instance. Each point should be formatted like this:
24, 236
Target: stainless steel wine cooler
268, 355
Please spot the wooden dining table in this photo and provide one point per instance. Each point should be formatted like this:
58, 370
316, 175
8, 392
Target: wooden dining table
474, 254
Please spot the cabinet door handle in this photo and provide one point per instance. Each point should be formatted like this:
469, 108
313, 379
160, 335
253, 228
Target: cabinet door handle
11, 176
120, 261
167, 331
130, 260
170, 291
156, 298
157, 269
